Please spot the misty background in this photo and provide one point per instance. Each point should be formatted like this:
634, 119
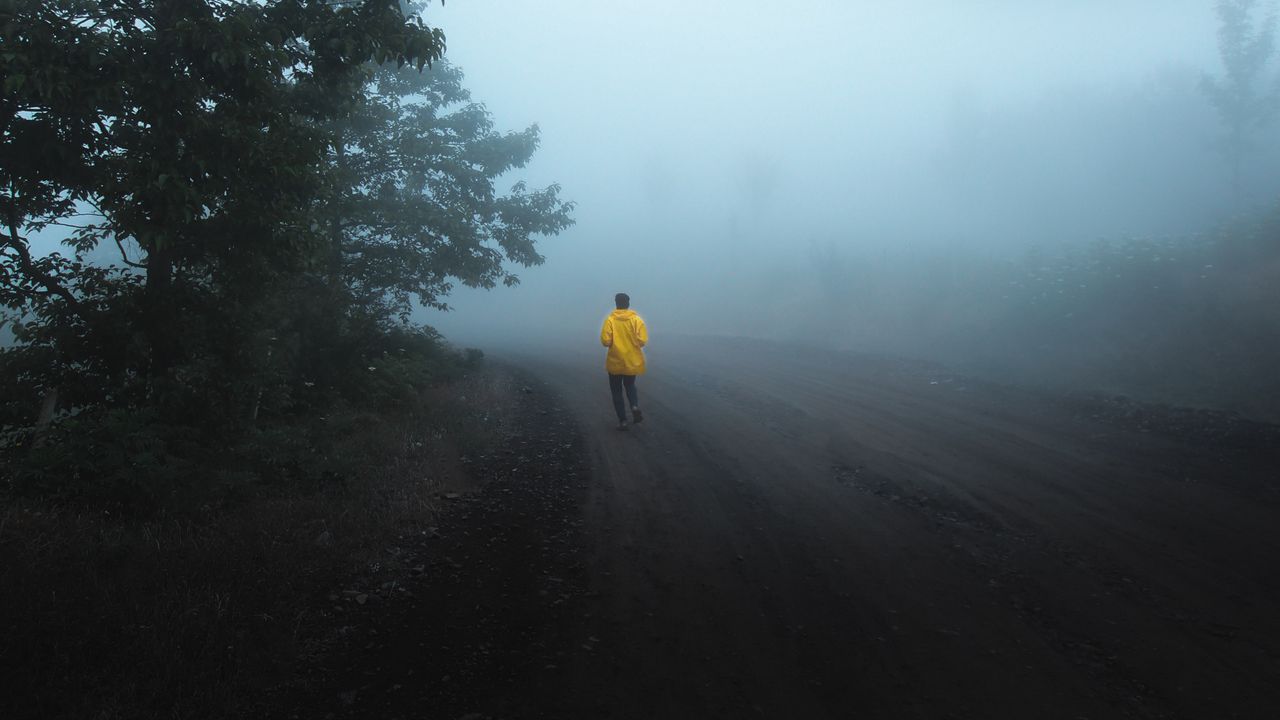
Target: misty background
875, 177
1033, 192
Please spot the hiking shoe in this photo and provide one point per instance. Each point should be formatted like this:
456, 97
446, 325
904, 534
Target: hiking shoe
622, 425
636, 415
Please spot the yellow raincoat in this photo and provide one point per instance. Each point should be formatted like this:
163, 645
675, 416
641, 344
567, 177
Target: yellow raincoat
624, 334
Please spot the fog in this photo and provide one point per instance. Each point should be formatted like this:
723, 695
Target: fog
924, 179
729, 160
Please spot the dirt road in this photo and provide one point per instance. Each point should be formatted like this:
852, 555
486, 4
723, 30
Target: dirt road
800, 534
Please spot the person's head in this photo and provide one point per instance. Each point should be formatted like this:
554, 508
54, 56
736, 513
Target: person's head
622, 300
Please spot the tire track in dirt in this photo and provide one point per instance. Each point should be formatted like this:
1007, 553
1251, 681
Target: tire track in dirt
867, 544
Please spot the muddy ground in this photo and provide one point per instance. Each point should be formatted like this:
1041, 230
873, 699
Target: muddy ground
795, 533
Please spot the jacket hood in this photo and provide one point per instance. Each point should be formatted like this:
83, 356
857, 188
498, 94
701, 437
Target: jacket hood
624, 313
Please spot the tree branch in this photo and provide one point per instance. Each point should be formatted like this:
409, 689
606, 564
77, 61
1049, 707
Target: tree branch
73, 226
125, 256
29, 267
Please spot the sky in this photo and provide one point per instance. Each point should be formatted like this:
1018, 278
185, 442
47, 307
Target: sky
703, 140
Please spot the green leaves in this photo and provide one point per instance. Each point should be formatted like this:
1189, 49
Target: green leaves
278, 190
421, 208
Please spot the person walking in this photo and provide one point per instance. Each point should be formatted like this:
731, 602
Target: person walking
625, 335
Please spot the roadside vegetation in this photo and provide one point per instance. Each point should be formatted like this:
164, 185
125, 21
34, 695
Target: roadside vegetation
212, 403
1185, 320
224, 583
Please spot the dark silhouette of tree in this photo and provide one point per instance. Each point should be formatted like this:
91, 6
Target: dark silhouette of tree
263, 165
1245, 98
415, 207
187, 127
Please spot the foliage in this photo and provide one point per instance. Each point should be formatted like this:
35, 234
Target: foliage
282, 181
1190, 320
420, 206
192, 610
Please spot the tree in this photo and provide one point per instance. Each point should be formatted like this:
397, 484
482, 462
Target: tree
415, 206
1246, 44
186, 126
412, 209
188, 129
271, 172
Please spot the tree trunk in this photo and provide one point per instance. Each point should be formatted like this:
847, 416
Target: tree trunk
158, 313
48, 406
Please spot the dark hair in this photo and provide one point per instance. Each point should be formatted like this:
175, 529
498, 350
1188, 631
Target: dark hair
622, 300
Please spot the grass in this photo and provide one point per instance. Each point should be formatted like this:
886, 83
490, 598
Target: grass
193, 611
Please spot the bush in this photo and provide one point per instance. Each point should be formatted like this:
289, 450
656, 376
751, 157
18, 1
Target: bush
152, 570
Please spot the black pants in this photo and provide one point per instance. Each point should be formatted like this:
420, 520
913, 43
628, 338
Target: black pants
616, 384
